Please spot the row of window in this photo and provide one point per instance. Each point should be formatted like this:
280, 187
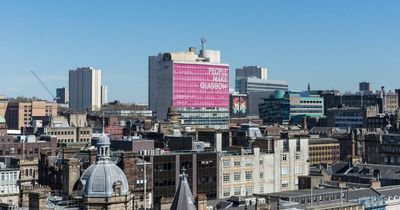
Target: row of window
68, 132
324, 147
317, 198
237, 191
297, 170
312, 102
285, 157
19, 152
9, 176
238, 175
237, 163
391, 159
72, 140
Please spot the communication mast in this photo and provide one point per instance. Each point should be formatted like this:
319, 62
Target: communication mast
203, 43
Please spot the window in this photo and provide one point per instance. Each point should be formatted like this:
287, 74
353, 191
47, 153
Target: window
249, 175
227, 163
236, 176
284, 157
285, 184
237, 191
249, 190
285, 145
297, 144
226, 177
298, 169
227, 192
261, 189
285, 171
261, 161
249, 162
297, 156
261, 175
236, 163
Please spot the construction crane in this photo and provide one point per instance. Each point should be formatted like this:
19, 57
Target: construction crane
47, 89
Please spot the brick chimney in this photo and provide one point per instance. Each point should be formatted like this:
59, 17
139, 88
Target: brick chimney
201, 202
37, 201
375, 184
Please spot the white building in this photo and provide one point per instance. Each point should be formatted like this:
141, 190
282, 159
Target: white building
85, 89
256, 171
197, 85
9, 184
104, 94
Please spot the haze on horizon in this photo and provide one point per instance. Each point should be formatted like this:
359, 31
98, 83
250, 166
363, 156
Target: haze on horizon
332, 45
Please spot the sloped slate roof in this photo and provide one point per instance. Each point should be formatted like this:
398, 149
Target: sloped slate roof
183, 197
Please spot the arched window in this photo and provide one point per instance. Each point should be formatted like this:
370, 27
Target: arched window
26, 172
30, 172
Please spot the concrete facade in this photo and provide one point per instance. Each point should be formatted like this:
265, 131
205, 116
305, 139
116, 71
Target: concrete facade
70, 134
250, 84
104, 94
85, 89
19, 114
259, 172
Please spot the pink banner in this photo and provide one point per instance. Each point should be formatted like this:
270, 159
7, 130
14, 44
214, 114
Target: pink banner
199, 85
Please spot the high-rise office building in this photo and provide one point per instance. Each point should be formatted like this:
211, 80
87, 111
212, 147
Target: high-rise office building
104, 94
251, 84
62, 95
252, 71
291, 106
85, 89
365, 86
253, 81
197, 85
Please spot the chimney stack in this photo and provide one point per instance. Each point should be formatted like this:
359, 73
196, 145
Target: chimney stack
201, 202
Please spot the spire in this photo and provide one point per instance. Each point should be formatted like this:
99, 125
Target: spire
103, 123
183, 197
103, 146
308, 87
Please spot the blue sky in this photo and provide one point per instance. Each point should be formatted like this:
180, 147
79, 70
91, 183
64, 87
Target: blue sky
332, 44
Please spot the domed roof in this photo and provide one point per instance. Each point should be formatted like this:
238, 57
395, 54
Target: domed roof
102, 178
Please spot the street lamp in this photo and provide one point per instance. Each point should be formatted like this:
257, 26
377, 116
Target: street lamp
145, 181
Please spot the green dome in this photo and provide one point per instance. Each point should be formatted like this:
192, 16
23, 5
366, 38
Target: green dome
279, 94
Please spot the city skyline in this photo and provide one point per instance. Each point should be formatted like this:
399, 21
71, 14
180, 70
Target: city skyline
348, 42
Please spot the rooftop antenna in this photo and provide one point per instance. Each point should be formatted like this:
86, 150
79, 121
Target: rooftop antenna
103, 123
203, 43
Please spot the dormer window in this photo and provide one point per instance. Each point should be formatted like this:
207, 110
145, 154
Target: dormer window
117, 188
